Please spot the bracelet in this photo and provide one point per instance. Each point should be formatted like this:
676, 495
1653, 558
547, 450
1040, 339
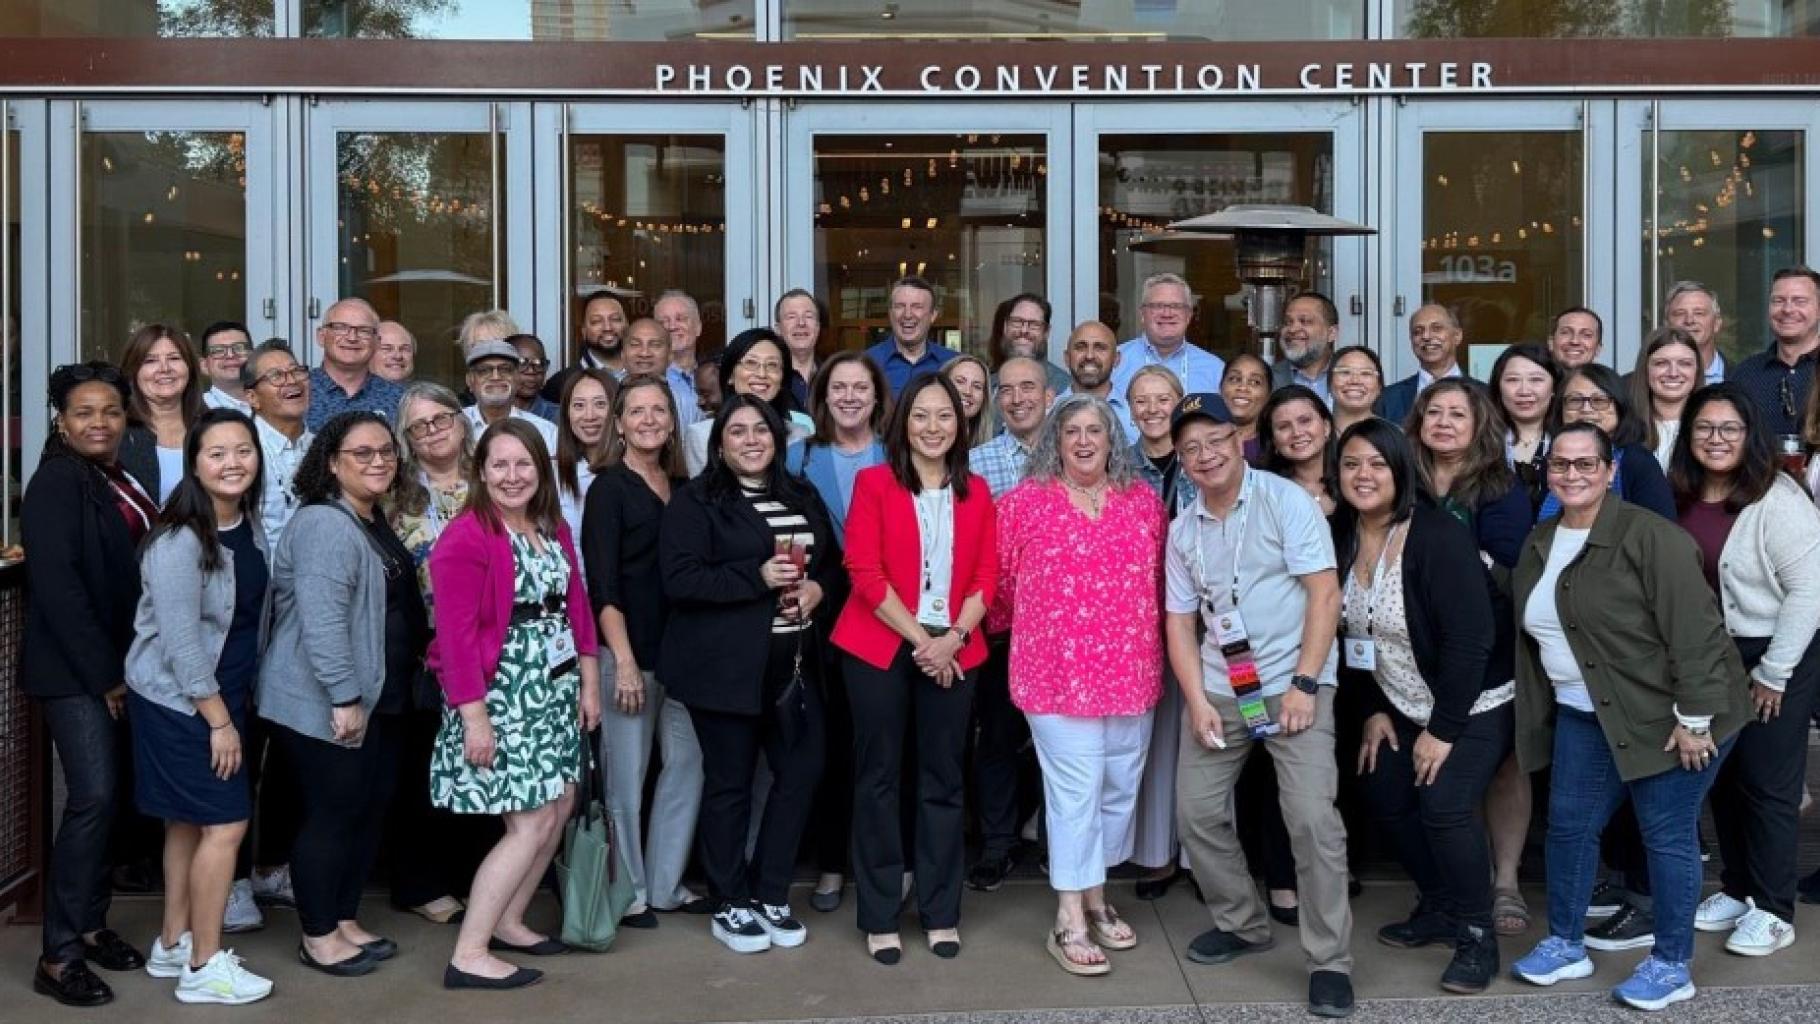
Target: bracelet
218, 728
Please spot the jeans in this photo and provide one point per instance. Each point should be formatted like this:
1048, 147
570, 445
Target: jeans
1586, 792
77, 892
657, 855
345, 793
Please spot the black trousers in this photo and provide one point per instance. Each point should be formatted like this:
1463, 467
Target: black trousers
884, 701
831, 823
1435, 829
429, 850
730, 745
1756, 800
998, 753
345, 793
77, 892
275, 801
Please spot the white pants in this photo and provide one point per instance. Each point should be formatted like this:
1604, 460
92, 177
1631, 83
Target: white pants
1091, 769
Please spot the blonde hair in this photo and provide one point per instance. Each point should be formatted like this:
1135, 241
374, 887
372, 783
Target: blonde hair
1160, 372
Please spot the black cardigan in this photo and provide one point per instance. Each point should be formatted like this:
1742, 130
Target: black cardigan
1460, 622
620, 527
82, 581
139, 457
718, 636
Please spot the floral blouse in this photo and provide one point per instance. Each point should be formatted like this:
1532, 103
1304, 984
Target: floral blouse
419, 532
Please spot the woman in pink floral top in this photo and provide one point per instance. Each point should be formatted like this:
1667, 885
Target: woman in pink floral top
1080, 556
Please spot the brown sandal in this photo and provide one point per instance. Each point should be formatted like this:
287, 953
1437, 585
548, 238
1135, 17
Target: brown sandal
1110, 930
1506, 906
1060, 942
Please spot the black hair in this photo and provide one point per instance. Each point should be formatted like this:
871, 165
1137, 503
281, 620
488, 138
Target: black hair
736, 350
719, 483
1757, 463
995, 346
1393, 445
821, 308
1329, 312
249, 379
897, 437
1274, 461
1376, 363
190, 506
1812, 276
314, 481
64, 379
221, 327
1536, 354
1587, 427
1598, 322
1630, 426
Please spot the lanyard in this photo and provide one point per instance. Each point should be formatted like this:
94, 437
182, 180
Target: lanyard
1241, 511
1377, 577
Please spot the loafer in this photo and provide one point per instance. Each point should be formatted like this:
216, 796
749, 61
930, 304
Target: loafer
698, 905
1329, 994
542, 947
76, 986
380, 949
1291, 916
1156, 888
455, 977
645, 919
353, 967
825, 902
111, 951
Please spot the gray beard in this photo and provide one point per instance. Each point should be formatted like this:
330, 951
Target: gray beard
1310, 356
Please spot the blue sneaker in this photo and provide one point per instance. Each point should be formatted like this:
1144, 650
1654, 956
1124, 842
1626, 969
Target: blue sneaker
1555, 959
1657, 985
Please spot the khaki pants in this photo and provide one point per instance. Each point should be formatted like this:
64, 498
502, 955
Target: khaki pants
1307, 778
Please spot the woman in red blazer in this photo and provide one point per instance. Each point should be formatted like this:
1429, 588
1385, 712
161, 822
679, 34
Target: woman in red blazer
923, 557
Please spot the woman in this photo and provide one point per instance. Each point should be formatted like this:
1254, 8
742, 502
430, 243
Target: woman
1459, 448
1356, 381
199, 627
1594, 394
1426, 639
83, 517
1626, 685
166, 400
1523, 391
1245, 386
746, 556
1151, 396
1080, 567
348, 629
847, 398
1297, 442
754, 363
1668, 370
1759, 539
515, 653
621, 529
923, 560
582, 416
973, 381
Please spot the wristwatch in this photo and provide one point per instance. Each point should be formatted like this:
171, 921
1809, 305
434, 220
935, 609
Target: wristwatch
1306, 684
1700, 733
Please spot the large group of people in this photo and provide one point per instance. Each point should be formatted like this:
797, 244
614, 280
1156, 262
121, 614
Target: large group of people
1219, 609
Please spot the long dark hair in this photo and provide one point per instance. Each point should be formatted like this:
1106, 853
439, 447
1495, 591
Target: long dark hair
190, 506
1630, 425
897, 437
1533, 353
719, 483
569, 452
545, 510
737, 349
1400, 458
1276, 462
139, 349
1757, 463
315, 482
1483, 475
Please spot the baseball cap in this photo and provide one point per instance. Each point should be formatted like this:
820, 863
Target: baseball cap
1202, 405
492, 350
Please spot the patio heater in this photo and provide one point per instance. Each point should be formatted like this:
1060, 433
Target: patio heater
1272, 241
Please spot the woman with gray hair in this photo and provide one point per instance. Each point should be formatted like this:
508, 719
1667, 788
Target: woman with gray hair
1080, 565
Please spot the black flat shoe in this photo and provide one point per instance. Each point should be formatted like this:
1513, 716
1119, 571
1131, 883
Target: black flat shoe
825, 902
353, 967
111, 951
643, 919
380, 949
542, 947
1156, 888
76, 986
1291, 916
455, 977
698, 905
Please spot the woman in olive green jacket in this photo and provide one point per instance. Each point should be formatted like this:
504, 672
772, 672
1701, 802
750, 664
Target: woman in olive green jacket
1628, 686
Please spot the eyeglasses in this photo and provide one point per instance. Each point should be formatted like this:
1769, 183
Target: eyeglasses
530, 366
488, 371
279, 378
1730, 430
768, 367
1193, 449
370, 456
1586, 465
341, 330
1596, 403
430, 425
237, 348
1018, 323
1166, 307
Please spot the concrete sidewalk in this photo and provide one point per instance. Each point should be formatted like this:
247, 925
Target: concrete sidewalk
677, 973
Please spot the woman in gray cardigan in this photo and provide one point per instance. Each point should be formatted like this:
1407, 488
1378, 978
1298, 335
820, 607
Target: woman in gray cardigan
195, 654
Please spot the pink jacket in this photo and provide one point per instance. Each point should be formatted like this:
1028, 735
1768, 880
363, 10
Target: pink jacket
471, 575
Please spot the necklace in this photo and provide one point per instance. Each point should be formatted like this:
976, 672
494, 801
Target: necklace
1096, 496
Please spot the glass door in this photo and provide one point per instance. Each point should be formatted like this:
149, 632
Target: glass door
1141, 167
422, 209
24, 301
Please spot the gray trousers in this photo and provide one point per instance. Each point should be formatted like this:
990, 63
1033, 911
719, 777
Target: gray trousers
656, 864
1155, 844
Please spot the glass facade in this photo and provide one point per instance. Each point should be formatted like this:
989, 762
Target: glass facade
1078, 20
156, 18
10, 231
537, 20
1551, 19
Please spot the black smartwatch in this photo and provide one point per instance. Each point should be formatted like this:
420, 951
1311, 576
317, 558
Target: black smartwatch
1306, 684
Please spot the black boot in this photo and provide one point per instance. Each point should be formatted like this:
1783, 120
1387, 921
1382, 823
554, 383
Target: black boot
1475, 961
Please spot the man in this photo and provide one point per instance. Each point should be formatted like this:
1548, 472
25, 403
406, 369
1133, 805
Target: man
344, 382
493, 378
681, 317
1780, 377
225, 345
1311, 328
533, 364
1434, 337
647, 350
1253, 560
798, 319
1022, 324
1092, 357
395, 355
1164, 312
603, 323
1577, 337
906, 353
1694, 308
1023, 398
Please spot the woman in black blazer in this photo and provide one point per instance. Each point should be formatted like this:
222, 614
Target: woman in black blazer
747, 553
82, 519
1426, 636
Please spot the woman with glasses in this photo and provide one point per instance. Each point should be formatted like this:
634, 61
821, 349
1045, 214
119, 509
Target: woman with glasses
348, 631
1668, 370
1523, 384
1594, 394
582, 442
754, 363
1627, 686
166, 400
83, 517
1020, 327
1759, 540
1356, 381
970, 377
1245, 386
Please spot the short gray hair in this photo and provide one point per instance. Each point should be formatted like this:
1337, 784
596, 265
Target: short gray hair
496, 319
1046, 455
409, 495
1156, 280
681, 296
1680, 288
248, 376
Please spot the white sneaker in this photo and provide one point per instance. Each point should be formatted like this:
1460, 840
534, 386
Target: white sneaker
1760, 933
222, 980
274, 889
168, 963
242, 913
1719, 913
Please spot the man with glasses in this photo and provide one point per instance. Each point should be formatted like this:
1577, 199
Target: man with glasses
278, 392
1694, 308
603, 325
1164, 311
907, 352
647, 350
225, 345
1779, 377
1577, 337
532, 365
493, 378
345, 381
1311, 329
1021, 329
395, 355
1434, 338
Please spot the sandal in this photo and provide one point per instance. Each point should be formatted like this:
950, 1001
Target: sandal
441, 910
1507, 906
1060, 942
1110, 930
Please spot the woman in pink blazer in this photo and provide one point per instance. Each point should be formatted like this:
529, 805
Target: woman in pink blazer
923, 559
515, 652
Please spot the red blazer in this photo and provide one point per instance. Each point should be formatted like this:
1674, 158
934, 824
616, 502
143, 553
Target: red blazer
471, 577
884, 552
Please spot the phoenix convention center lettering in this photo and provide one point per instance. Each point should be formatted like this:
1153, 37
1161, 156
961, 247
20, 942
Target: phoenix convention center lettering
1085, 78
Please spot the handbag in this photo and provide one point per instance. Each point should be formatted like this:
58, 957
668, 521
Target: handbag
590, 869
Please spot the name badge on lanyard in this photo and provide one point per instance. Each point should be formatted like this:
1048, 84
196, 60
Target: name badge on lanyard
1229, 631
559, 651
1361, 653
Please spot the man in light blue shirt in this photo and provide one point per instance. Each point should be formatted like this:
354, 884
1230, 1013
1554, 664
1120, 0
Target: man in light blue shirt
1311, 328
1694, 308
1023, 398
907, 353
1164, 312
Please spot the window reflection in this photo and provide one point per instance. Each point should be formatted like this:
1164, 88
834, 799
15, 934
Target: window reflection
1076, 20
542, 20
140, 18
9, 330
1526, 19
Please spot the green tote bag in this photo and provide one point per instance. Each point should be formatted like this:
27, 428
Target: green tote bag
596, 887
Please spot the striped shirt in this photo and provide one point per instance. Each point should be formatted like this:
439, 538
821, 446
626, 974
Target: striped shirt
790, 528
